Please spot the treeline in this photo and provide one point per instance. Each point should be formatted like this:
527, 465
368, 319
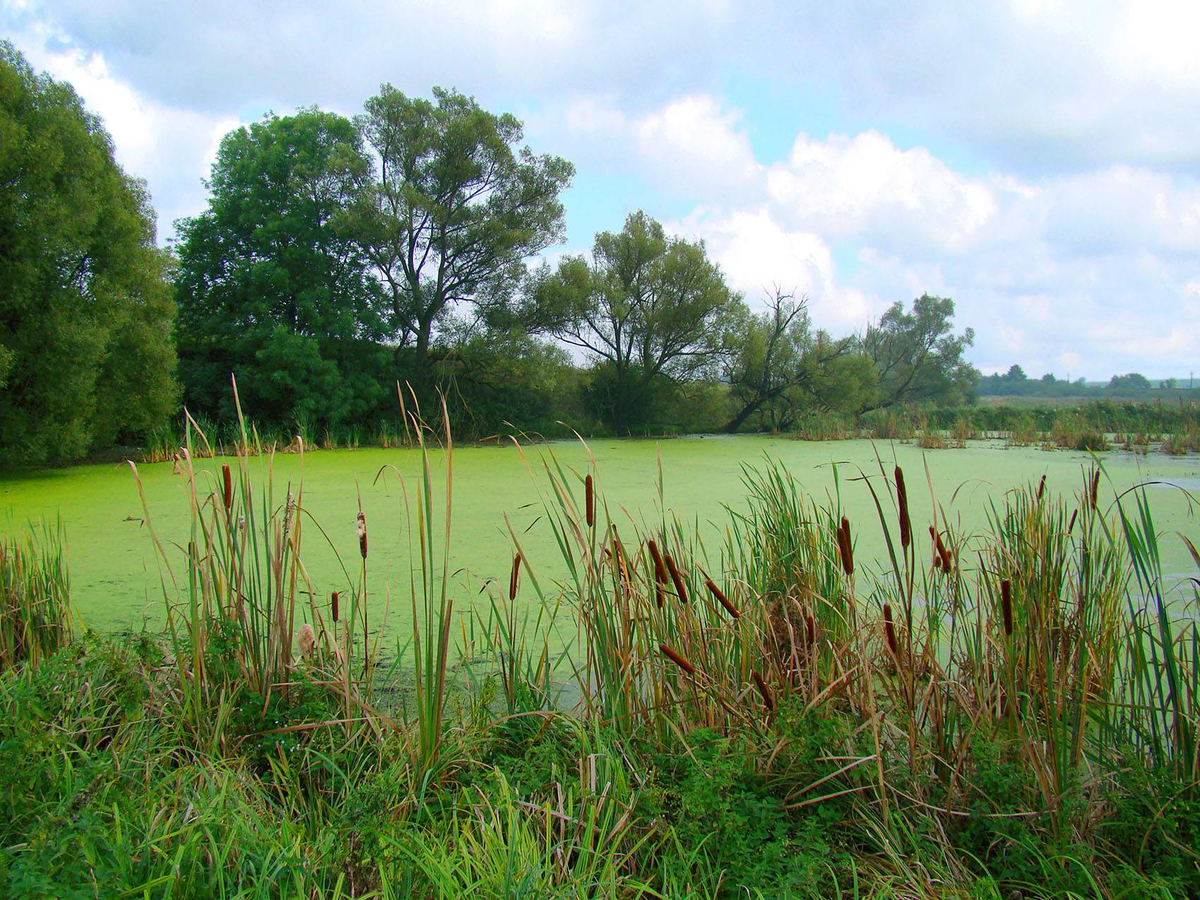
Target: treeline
1132, 385
338, 258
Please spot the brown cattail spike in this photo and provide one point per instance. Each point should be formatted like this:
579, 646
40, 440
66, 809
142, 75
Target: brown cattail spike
677, 578
362, 534
589, 501
902, 502
514, 578
333, 606
719, 596
889, 630
812, 630
1071, 524
678, 659
1006, 606
227, 476
660, 569
943, 554
763, 691
1041, 487
1095, 488
845, 547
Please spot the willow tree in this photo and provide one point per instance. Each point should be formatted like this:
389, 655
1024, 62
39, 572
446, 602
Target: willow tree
454, 211
647, 308
85, 306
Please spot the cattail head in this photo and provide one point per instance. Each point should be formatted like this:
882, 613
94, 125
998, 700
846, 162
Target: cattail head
227, 477
845, 547
362, 534
811, 629
763, 691
514, 577
589, 498
1006, 606
677, 578
660, 569
305, 640
677, 658
333, 606
943, 553
902, 502
719, 596
889, 630
1071, 524
1095, 493
1041, 487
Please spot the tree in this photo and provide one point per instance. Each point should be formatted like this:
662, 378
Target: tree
85, 308
918, 356
1133, 382
779, 366
273, 286
649, 309
454, 212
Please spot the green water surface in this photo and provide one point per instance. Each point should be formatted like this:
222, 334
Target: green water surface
117, 581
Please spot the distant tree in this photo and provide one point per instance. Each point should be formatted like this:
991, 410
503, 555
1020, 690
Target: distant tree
1049, 379
454, 211
272, 285
85, 306
1169, 383
1015, 373
778, 365
917, 355
651, 310
1132, 381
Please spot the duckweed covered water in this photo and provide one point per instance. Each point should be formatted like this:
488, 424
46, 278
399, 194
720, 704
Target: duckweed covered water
117, 581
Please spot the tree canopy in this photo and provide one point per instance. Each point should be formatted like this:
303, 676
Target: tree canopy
646, 307
85, 311
273, 285
454, 211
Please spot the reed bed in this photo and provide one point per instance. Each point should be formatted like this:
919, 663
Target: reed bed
35, 592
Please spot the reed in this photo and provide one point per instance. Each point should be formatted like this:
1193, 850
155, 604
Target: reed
35, 596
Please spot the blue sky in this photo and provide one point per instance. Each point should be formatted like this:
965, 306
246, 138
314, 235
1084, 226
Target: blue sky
1036, 160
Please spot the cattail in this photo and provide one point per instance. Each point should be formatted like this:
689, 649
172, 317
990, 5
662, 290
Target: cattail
943, 554
660, 570
589, 492
678, 659
333, 606
902, 501
1041, 487
889, 630
1071, 524
763, 690
720, 597
1006, 606
514, 579
1095, 488
306, 640
362, 534
228, 478
845, 547
659, 600
677, 578
812, 630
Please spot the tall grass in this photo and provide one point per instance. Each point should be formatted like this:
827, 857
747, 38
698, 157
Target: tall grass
35, 612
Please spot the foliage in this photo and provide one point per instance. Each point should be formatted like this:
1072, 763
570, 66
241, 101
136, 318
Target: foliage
273, 288
85, 313
651, 309
453, 212
917, 355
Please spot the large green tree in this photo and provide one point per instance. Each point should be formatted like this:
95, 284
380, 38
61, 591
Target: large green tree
648, 308
918, 356
85, 307
273, 285
453, 213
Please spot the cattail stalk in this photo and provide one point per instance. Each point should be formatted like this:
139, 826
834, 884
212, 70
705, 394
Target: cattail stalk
677, 578
660, 569
1006, 606
1095, 488
889, 630
589, 493
763, 690
514, 579
902, 502
333, 606
811, 624
943, 554
362, 534
1041, 488
677, 658
227, 476
720, 597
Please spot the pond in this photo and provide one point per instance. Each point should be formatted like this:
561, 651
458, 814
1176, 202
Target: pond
117, 583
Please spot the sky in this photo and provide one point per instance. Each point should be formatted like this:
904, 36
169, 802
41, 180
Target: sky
1037, 161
